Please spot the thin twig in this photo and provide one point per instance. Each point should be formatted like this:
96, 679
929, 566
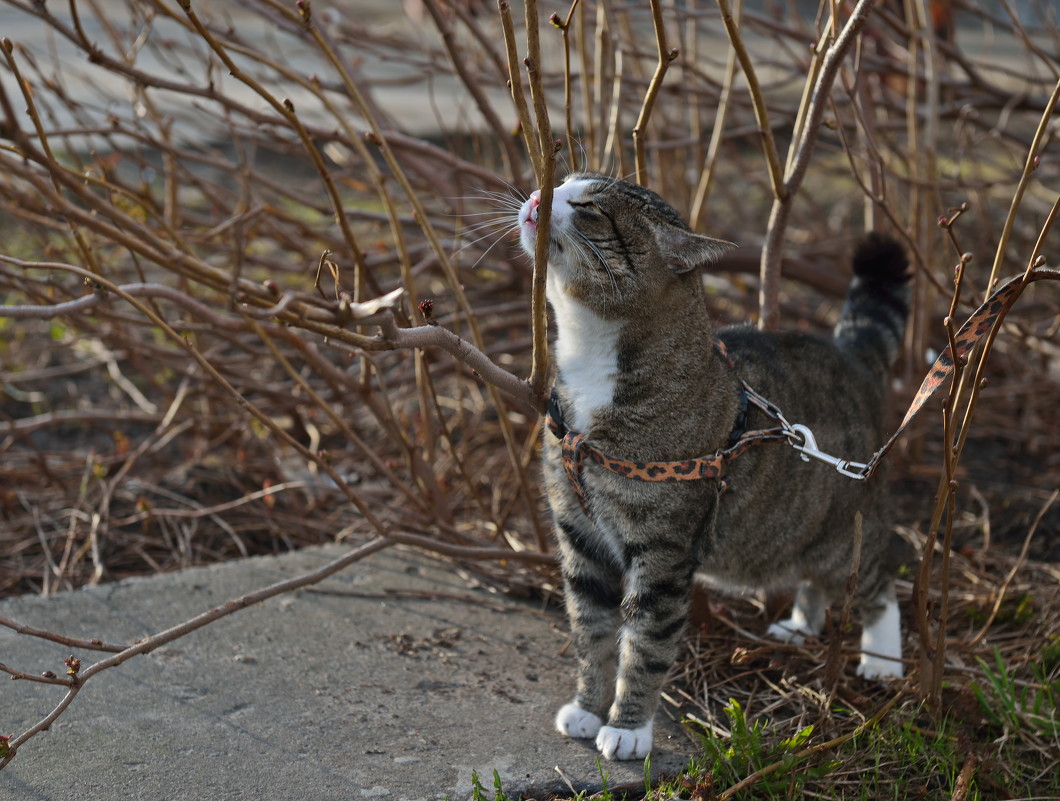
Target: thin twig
765, 130
666, 56
798, 161
93, 644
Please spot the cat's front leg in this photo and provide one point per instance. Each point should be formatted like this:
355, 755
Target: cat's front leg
655, 613
593, 592
622, 744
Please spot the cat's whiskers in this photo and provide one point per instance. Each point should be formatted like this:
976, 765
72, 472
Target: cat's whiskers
492, 222
497, 222
486, 252
492, 236
496, 227
512, 200
493, 214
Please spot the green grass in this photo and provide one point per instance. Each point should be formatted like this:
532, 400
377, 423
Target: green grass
753, 748
996, 738
1018, 706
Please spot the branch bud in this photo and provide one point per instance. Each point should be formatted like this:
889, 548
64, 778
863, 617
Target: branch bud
426, 308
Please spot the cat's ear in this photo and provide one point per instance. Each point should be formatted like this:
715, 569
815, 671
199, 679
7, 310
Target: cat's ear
686, 250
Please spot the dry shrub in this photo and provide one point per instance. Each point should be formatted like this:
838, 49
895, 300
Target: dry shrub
243, 245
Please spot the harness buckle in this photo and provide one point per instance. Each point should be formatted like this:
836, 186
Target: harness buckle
801, 439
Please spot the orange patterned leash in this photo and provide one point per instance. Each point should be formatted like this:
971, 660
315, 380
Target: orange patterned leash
977, 326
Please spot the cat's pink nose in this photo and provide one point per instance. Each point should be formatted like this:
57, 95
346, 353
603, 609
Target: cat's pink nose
535, 201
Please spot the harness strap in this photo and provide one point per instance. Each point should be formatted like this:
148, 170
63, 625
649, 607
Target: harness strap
576, 449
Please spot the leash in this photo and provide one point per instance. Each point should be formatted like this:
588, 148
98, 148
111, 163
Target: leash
576, 449
974, 329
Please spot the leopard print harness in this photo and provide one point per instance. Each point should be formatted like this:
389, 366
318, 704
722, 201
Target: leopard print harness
577, 450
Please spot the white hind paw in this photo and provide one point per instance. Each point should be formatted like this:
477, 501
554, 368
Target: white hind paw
786, 631
574, 721
615, 743
881, 646
875, 667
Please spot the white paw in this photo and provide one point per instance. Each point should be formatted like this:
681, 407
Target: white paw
615, 743
574, 721
881, 646
786, 631
876, 667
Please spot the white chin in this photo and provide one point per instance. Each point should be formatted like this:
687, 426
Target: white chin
528, 239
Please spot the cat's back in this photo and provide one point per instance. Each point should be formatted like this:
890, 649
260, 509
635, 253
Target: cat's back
809, 375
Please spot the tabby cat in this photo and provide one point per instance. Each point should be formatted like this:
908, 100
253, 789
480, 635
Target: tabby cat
642, 376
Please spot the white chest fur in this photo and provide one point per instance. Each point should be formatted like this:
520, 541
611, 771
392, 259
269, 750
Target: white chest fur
586, 355
586, 344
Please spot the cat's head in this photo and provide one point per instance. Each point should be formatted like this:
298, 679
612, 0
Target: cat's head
614, 244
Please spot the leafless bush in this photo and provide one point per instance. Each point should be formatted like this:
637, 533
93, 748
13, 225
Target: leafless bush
259, 291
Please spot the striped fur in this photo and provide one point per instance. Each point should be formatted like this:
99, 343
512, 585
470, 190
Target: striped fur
872, 323
638, 374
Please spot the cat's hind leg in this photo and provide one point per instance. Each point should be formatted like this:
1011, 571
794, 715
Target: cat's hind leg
807, 615
881, 638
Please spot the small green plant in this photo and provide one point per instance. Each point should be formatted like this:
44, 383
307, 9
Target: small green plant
750, 748
1013, 707
479, 793
604, 776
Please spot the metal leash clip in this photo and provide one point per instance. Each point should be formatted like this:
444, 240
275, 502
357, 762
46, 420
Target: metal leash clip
808, 449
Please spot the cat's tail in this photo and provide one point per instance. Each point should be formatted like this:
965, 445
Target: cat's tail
872, 323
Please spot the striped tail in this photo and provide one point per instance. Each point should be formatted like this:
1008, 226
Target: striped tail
872, 323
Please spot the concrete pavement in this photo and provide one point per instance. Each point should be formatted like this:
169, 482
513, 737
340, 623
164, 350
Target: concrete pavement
393, 681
